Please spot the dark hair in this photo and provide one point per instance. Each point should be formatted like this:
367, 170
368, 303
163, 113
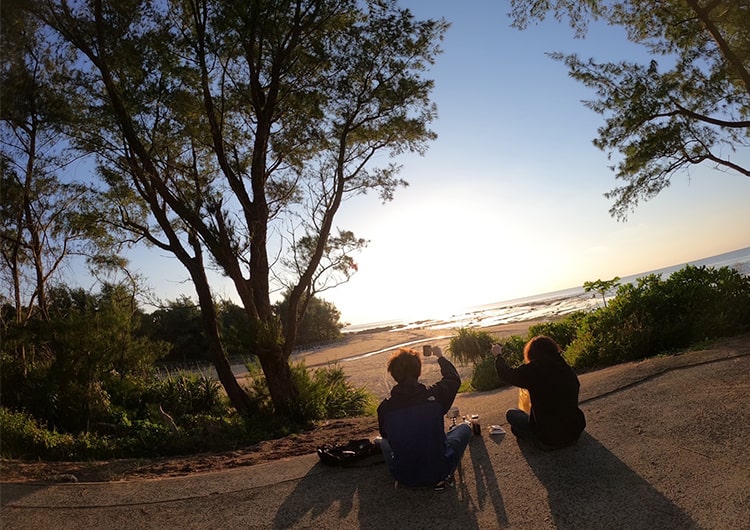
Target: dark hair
404, 365
540, 347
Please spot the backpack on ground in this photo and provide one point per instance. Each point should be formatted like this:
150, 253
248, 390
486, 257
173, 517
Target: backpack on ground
349, 453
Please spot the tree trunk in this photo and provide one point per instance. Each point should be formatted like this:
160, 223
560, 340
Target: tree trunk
236, 394
284, 392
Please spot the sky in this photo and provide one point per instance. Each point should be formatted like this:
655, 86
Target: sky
509, 200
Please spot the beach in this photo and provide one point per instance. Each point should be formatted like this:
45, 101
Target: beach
363, 356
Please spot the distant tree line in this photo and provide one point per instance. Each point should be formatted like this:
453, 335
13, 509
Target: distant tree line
179, 324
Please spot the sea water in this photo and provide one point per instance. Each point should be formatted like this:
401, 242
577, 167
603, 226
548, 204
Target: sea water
554, 304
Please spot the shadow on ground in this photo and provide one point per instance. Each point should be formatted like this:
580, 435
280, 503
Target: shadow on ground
588, 487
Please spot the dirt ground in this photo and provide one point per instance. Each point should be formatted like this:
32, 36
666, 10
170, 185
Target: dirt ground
368, 372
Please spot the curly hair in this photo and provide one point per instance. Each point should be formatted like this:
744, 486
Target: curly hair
404, 365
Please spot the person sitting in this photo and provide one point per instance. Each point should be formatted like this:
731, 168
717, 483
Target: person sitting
414, 442
554, 420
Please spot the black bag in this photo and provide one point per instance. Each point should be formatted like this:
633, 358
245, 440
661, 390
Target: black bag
349, 453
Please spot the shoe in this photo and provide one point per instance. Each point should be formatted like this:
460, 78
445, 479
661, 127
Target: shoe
449, 482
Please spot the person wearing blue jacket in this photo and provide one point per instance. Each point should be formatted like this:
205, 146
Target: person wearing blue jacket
415, 445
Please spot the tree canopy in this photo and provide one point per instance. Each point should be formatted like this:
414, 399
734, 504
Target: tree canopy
687, 106
602, 287
230, 133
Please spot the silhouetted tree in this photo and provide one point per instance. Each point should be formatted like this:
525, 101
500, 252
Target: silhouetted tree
663, 119
233, 121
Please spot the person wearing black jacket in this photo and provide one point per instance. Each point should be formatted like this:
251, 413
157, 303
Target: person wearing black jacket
415, 445
554, 420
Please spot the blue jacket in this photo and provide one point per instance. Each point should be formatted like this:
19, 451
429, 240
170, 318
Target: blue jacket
412, 422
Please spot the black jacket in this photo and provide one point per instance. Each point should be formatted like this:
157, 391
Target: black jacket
553, 387
412, 422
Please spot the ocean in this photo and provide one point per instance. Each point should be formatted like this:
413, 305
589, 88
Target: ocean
554, 304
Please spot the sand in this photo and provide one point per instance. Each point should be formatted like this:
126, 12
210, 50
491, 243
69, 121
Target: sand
363, 355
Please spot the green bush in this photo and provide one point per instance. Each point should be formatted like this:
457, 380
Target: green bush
326, 393
562, 331
656, 316
188, 394
484, 376
470, 346
24, 437
323, 393
644, 319
513, 350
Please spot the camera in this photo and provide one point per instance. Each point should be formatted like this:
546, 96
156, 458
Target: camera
426, 350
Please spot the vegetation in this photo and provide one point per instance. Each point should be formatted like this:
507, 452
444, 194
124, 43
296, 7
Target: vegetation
693, 108
656, 316
87, 389
321, 322
226, 134
229, 135
473, 346
470, 346
87, 386
603, 287
652, 317
129, 412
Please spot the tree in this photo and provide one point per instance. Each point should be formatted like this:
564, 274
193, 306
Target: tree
93, 338
89, 341
234, 122
602, 287
663, 120
321, 321
179, 324
44, 219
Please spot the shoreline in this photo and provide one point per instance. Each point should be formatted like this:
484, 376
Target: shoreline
363, 356
363, 344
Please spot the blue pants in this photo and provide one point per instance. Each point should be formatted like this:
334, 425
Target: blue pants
520, 424
457, 439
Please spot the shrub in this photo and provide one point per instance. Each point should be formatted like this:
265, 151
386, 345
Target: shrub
562, 331
484, 376
656, 316
188, 394
24, 437
513, 350
323, 393
470, 346
644, 319
326, 393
